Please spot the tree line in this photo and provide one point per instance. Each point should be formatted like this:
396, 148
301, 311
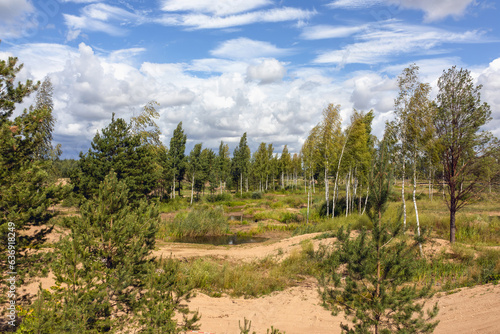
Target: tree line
435, 141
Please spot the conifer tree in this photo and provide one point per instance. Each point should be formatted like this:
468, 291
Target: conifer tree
117, 148
9, 93
194, 166
368, 276
25, 190
176, 157
105, 276
241, 162
223, 164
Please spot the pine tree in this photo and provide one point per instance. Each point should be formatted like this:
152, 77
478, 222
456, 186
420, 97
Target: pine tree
176, 157
194, 166
223, 165
368, 277
106, 278
116, 148
9, 93
25, 190
241, 162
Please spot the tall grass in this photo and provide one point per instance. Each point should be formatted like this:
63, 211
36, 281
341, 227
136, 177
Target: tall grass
461, 266
253, 279
199, 221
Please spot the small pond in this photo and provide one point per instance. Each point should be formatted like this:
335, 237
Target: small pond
222, 240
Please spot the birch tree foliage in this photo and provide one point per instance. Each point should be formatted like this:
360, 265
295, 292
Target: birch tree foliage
329, 135
285, 164
310, 153
145, 126
359, 146
462, 145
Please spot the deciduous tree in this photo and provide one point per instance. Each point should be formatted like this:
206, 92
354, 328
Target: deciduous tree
462, 145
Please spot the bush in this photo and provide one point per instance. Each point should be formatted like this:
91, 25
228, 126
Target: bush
290, 217
219, 197
256, 195
200, 221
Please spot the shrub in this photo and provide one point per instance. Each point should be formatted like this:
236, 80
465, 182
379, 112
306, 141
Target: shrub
219, 197
200, 221
256, 195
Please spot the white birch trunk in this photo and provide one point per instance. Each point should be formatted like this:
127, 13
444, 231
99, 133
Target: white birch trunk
347, 194
335, 187
403, 195
366, 200
327, 195
192, 189
415, 198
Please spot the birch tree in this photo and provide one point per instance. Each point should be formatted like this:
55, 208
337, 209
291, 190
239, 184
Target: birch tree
462, 146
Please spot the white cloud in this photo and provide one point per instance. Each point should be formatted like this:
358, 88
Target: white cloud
203, 21
244, 48
354, 4
219, 7
100, 17
11, 10
268, 71
490, 79
384, 41
325, 31
434, 10
16, 18
89, 86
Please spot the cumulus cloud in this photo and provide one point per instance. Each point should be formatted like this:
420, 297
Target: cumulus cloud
89, 86
490, 79
16, 18
268, 71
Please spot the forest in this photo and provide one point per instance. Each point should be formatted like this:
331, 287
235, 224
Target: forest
434, 174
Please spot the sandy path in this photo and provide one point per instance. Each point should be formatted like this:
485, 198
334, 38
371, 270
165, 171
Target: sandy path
297, 310
245, 252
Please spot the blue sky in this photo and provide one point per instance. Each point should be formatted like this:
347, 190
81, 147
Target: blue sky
265, 67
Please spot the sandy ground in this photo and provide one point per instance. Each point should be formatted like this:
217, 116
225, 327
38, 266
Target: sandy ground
298, 310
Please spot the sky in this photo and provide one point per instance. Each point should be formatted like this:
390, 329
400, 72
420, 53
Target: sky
225, 67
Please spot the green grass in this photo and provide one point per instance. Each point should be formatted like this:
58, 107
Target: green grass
462, 266
199, 221
260, 277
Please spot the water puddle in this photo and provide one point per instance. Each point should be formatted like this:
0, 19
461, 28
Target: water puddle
222, 240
